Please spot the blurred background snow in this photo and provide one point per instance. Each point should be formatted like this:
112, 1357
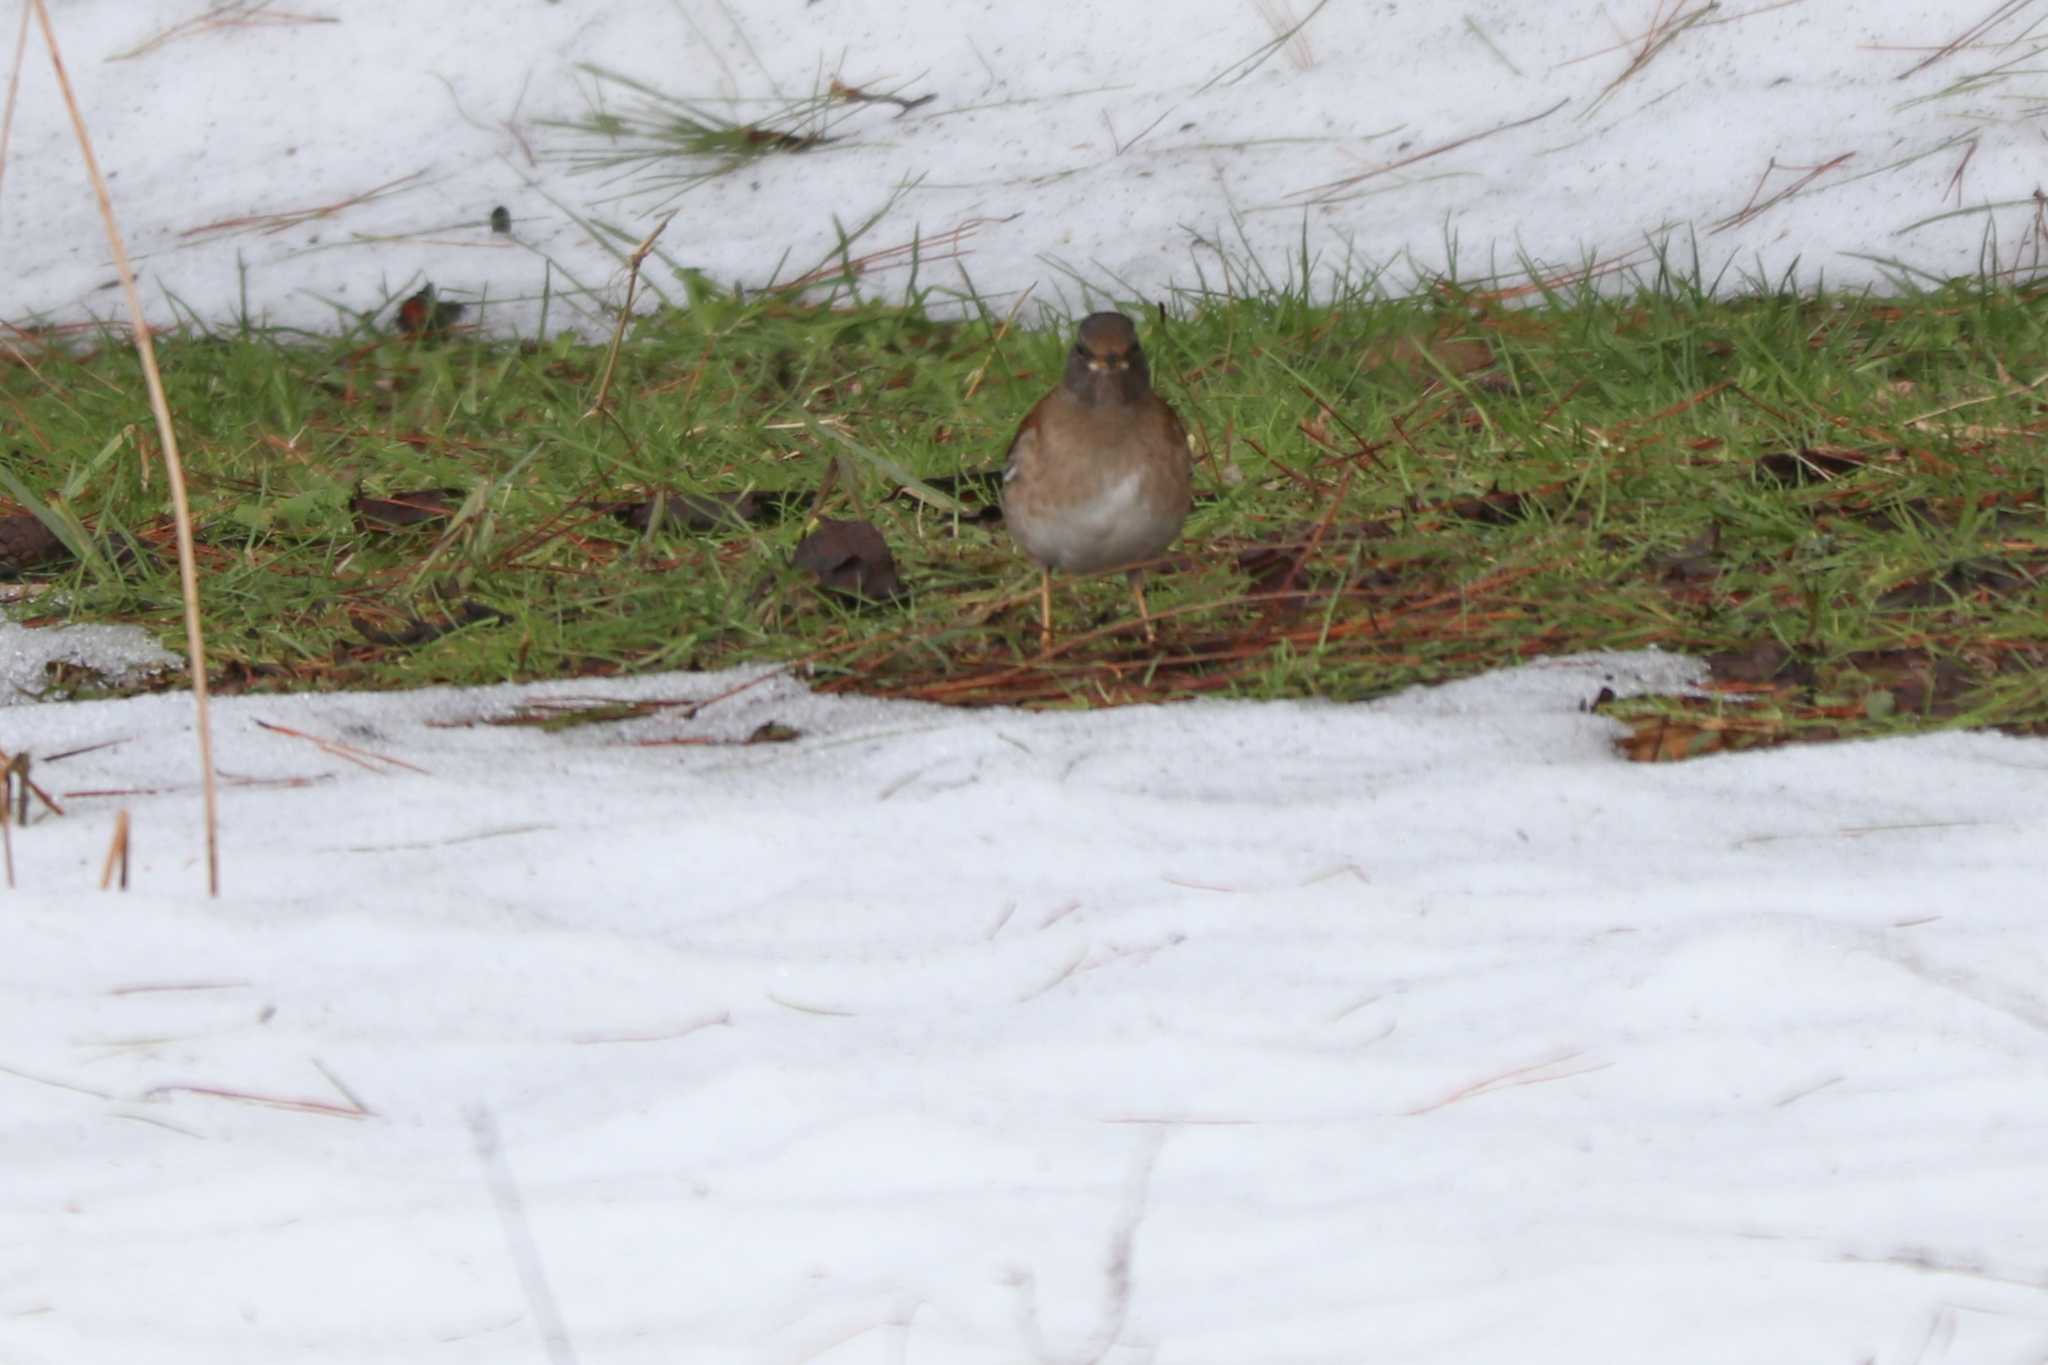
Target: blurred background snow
310, 161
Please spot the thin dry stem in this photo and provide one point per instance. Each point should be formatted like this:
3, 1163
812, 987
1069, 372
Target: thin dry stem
13, 87
181, 510
238, 14
996, 340
272, 223
117, 853
1334, 190
1967, 37
611, 360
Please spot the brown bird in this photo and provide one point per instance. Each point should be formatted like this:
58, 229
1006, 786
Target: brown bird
1098, 473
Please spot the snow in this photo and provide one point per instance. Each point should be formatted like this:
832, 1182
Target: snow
1429, 1024
118, 656
1068, 146
1426, 1031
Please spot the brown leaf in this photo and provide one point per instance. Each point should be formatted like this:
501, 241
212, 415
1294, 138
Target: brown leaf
1418, 360
24, 543
1495, 508
1698, 558
1669, 739
1761, 662
850, 558
694, 511
405, 509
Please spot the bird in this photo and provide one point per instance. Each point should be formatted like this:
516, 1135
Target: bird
1097, 476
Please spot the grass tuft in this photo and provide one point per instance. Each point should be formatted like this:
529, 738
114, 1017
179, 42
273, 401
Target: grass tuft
1837, 500
665, 144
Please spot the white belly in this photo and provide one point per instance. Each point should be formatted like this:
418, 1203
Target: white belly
1110, 529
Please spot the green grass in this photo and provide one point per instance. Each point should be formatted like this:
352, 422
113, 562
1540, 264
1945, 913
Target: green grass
1840, 499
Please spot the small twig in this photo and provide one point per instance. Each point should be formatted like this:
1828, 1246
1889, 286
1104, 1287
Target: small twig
7, 823
270, 224
853, 94
13, 86
157, 988
611, 360
1970, 35
1535, 1073
297, 1106
920, 250
1665, 30
341, 1087
362, 758
723, 1020
1473, 28
238, 14
995, 340
18, 766
1073, 965
1315, 540
822, 1011
174, 466
1755, 209
117, 853
1323, 194
1955, 182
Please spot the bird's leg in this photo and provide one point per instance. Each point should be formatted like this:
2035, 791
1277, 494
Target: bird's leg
1044, 610
1137, 581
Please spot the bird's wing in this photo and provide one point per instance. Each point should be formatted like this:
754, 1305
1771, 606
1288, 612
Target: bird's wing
1023, 450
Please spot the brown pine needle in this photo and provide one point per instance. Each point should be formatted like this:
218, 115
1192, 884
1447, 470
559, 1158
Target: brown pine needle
362, 758
235, 14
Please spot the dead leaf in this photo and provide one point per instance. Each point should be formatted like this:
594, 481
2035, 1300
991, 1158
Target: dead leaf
850, 558
696, 512
1419, 360
422, 315
24, 543
401, 510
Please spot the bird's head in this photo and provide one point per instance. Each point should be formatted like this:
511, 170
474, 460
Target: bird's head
1107, 365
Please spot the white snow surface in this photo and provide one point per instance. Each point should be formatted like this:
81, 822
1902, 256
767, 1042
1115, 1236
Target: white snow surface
309, 171
117, 656
1423, 1031
1428, 1030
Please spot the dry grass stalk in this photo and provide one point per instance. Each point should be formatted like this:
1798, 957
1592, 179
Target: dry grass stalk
181, 510
272, 223
903, 253
349, 753
233, 14
1756, 208
611, 359
117, 853
1969, 36
1287, 30
996, 340
7, 821
1665, 30
13, 86
296, 1105
1333, 190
